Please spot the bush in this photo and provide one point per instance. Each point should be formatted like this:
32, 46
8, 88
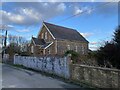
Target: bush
12, 49
24, 54
109, 54
74, 55
92, 54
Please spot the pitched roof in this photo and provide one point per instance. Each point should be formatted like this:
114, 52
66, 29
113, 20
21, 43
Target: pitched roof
60, 32
45, 45
41, 42
38, 41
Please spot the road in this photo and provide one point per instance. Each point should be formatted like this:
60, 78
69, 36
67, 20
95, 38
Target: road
13, 77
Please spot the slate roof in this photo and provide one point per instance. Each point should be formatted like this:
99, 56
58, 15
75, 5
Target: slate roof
38, 41
60, 32
45, 45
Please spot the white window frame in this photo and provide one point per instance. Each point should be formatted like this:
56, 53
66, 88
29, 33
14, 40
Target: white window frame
45, 35
42, 35
49, 51
76, 48
32, 49
83, 51
68, 47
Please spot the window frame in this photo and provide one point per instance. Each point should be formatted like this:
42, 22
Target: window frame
46, 35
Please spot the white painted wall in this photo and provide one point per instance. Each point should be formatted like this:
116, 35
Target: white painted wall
55, 65
5, 58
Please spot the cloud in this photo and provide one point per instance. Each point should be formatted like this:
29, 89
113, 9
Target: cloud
8, 17
31, 13
61, 7
93, 48
88, 10
77, 10
93, 43
100, 8
0, 45
6, 27
24, 30
86, 34
81, 9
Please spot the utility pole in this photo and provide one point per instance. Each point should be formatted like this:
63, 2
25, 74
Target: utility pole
5, 42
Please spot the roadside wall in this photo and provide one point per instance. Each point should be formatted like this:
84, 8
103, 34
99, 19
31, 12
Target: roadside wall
54, 65
93, 76
6, 58
96, 76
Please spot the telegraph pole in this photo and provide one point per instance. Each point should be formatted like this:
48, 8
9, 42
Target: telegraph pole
5, 42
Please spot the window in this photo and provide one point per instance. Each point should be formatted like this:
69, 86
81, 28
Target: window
83, 49
42, 36
32, 49
45, 35
68, 47
49, 51
76, 48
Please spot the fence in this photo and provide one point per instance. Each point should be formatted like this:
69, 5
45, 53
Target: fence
93, 76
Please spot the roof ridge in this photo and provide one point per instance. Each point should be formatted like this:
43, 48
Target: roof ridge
61, 32
60, 26
37, 38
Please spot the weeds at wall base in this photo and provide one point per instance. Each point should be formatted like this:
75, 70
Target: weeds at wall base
84, 85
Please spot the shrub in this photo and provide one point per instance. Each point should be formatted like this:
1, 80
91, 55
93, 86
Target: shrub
74, 55
24, 54
109, 54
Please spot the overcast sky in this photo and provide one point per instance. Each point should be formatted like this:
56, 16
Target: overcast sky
96, 24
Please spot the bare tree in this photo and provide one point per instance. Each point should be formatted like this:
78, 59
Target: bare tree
20, 41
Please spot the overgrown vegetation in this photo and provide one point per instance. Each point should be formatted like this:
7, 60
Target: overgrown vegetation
109, 54
25, 53
14, 48
17, 45
74, 55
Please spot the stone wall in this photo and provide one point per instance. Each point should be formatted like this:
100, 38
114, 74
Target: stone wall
80, 47
54, 65
43, 31
6, 58
61, 66
50, 50
96, 76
